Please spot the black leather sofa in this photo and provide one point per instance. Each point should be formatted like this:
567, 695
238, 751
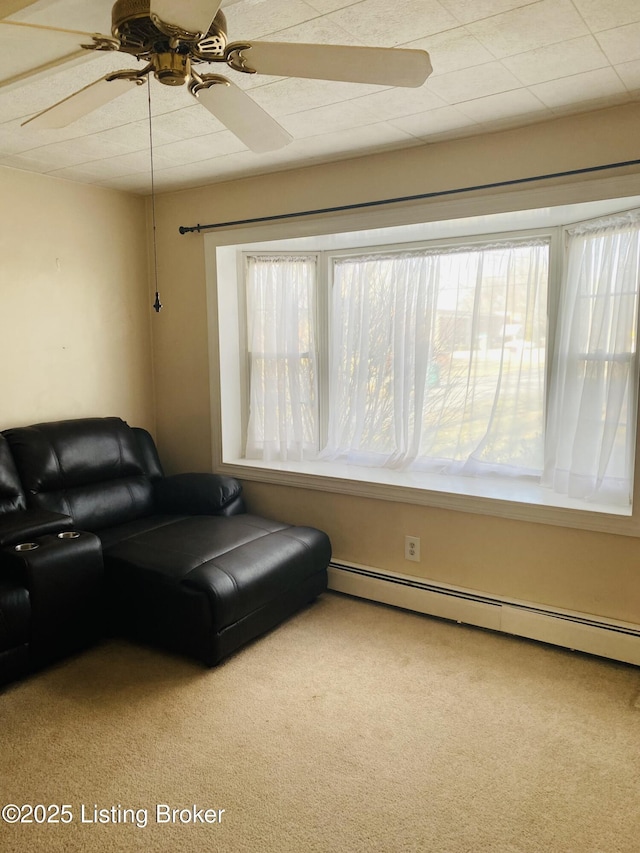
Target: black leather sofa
95, 539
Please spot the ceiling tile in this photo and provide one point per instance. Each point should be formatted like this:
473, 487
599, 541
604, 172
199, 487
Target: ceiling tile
133, 137
325, 6
76, 151
11, 141
295, 95
90, 173
604, 14
111, 167
557, 60
529, 27
581, 88
259, 19
371, 22
329, 119
185, 123
621, 44
629, 73
200, 172
425, 125
347, 141
392, 103
324, 30
476, 82
513, 105
128, 183
466, 11
200, 148
28, 162
453, 50
93, 17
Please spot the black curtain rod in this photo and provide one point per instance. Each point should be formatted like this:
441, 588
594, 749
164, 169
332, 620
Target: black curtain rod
187, 229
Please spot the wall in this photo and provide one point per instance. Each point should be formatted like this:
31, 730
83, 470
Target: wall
75, 337
578, 570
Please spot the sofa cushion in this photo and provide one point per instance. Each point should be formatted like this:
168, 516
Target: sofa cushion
249, 578
240, 563
91, 469
205, 585
174, 549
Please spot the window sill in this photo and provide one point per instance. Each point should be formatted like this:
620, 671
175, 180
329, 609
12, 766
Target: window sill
483, 495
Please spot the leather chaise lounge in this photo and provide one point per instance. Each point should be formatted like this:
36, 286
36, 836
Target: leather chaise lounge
94, 538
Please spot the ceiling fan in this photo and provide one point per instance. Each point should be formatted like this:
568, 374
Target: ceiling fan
174, 38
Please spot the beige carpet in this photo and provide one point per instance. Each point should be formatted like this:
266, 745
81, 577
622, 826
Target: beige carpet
353, 727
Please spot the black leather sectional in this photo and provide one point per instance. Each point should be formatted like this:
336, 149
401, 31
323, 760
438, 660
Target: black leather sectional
95, 539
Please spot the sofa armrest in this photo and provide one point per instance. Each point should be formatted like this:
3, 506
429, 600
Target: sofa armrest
64, 575
199, 494
26, 524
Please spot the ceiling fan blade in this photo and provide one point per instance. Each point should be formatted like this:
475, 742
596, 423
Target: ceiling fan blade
10, 7
386, 66
79, 104
20, 42
195, 17
25, 26
243, 117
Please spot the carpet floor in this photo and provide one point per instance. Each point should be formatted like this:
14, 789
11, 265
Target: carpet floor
352, 727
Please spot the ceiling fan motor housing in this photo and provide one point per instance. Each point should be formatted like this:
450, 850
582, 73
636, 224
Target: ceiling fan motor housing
132, 25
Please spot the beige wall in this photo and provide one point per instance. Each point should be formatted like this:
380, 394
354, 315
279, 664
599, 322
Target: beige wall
75, 337
590, 572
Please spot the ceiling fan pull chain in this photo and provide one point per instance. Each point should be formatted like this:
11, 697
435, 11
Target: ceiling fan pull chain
157, 305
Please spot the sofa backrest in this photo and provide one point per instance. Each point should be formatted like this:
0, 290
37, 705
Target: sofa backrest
92, 469
11, 492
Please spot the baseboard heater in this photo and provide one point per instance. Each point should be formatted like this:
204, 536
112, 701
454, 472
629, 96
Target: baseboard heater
577, 631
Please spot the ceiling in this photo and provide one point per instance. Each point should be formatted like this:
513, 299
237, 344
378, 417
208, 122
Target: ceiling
497, 63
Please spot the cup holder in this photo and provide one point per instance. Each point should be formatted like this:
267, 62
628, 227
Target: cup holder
69, 534
26, 546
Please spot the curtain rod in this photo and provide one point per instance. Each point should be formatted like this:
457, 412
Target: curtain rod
187, 229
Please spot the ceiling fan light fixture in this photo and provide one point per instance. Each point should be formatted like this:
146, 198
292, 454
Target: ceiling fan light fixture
171, 68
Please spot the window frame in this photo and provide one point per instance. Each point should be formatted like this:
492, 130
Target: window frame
562, 512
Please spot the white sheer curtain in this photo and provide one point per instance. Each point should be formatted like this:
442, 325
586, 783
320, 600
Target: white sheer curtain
437, 359
281, 335
592, 410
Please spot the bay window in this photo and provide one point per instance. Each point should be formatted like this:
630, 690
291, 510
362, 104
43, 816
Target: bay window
502, 365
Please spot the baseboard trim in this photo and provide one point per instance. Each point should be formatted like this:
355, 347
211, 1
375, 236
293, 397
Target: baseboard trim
577, 631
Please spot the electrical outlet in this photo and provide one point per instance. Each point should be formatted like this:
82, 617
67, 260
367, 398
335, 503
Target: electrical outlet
412, 548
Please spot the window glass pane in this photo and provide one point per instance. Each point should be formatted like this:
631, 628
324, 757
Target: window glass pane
281, 340
439, 359
592, 424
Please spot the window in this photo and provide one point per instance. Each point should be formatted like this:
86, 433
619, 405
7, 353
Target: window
442, 370
592, 413
281, 346
437, 358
